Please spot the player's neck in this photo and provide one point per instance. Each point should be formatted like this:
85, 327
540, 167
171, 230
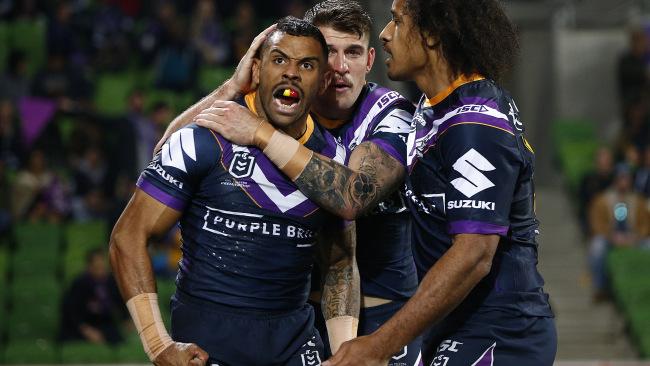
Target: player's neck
334, 113
436, 77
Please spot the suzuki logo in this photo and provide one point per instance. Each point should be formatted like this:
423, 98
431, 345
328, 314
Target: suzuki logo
470, 167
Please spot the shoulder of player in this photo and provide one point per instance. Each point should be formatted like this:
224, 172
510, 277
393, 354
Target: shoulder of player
197, 143
479, 105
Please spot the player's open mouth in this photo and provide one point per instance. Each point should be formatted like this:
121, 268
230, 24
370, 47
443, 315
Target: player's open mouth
341, 86
286, 99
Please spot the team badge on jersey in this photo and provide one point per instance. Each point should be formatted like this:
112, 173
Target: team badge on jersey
242, 164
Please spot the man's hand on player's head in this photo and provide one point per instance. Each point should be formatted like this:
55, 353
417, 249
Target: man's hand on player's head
232, 121
242, 80
182, 354
361, 351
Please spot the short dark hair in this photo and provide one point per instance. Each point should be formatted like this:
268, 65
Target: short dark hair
299, 28
343, 15
475, 36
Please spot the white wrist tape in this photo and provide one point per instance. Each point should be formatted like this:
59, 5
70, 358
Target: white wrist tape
341, 329
145, 313
287, 154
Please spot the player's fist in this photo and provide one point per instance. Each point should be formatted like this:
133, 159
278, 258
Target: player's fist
181, 354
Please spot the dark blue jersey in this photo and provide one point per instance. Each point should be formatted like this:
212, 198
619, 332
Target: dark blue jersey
248, 232
384, 257
471, 172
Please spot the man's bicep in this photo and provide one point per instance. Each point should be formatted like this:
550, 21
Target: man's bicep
382, 168
146, 216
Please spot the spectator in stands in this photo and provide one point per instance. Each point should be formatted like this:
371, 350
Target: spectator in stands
110, 38
89, 202
10, 144
594, 183
62, 37
161, 115
156, 34
632, 67
92, 309
208, 35
243, 27
38, 193
143, 134
14, 83
60, 81
636, 124
642, 177
177, 62
619, 218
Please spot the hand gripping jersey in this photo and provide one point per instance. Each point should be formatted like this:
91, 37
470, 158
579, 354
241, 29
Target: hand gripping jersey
384, 255
248, 232
471, 171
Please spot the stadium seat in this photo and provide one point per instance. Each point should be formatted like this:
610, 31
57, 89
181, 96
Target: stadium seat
37, 351
35, 308
37, 249
87, 353
112, 92
79, 238
29, 36
575, 144
211, 77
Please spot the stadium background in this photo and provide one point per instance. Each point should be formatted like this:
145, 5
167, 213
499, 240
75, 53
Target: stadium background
87, 86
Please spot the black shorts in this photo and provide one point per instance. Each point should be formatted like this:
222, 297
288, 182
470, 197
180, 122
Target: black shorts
494, 338
236, 337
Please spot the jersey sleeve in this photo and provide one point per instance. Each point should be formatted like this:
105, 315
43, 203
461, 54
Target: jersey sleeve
391, 132
481, 165
174, 174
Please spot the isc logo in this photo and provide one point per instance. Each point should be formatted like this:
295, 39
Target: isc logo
387, 98
472, 108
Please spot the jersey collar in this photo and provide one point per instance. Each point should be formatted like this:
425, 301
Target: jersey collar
462, 80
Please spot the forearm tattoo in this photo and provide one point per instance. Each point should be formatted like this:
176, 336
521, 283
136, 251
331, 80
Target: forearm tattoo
352, 191
341, 290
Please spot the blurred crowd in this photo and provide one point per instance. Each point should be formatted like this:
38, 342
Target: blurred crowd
63, 160
614, 199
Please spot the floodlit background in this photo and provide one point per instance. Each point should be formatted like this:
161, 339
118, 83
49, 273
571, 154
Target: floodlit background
88, 86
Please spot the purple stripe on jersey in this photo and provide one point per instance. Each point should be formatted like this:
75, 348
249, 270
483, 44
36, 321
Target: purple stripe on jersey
479, 101
475, 118
388, 148
160, 195
487, 358
476, 227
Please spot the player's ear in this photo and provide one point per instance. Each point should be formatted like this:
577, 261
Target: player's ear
256, 71
430, 40
371, 59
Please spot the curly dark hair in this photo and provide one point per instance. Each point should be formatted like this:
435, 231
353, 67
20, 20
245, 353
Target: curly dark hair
342, 15
474, 36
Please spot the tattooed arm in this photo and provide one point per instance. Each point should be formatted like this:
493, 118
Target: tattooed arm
341, 286
349, 192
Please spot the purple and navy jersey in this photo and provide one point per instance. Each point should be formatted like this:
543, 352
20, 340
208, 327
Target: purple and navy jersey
384, 255
248, 232
471, 172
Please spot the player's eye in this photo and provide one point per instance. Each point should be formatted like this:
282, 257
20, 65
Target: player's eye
354, 53
279, 60
307, 66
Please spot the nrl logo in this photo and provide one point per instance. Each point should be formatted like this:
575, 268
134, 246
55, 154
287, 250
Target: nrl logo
242, 165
